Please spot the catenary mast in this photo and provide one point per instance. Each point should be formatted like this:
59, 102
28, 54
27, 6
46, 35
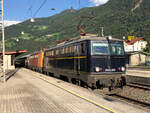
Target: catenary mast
3, 40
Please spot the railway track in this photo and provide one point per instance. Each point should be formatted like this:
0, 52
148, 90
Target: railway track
140, 86
131, 100
135, 93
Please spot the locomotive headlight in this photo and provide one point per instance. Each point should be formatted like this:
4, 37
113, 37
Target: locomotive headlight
97, 69
109, 37
122, 68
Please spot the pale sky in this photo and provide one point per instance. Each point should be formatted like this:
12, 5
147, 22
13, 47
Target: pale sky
20, 10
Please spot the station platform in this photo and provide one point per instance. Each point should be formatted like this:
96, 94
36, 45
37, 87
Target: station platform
8, 74
31, 92
138, 75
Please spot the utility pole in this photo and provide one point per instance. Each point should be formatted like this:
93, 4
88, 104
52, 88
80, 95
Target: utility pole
102, 31
3, 40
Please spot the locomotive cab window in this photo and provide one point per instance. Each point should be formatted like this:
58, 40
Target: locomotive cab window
117, 49
100, 48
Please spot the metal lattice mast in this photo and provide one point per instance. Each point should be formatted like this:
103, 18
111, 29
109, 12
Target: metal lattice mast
3, 39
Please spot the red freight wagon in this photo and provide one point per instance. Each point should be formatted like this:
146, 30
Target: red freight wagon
35, 61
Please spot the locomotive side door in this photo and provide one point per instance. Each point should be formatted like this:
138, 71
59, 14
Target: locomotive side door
77, 60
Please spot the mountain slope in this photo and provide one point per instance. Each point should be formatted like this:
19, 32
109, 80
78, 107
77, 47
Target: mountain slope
118, 17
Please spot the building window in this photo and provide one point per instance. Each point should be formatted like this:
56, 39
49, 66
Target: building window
63, 50
57, 52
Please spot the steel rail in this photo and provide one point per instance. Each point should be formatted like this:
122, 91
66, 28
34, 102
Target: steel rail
128, 99
140, 86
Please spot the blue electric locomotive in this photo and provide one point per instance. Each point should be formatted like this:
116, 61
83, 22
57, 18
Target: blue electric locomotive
92, 61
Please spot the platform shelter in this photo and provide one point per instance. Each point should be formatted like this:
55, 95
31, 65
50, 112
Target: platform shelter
10, 59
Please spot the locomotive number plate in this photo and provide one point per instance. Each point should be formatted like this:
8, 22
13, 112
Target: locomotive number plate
110, 70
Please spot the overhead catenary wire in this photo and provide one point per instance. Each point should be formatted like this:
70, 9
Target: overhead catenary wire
79, 3
29, 12
30, 9
39, 8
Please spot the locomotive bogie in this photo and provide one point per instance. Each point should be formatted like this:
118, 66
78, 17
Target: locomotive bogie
103, 81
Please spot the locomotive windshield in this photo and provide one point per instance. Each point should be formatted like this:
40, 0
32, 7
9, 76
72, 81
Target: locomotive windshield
100, 48
117, 49
105, 48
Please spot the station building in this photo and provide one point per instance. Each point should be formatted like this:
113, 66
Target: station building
134, 50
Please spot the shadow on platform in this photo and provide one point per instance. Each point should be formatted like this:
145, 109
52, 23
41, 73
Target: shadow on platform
9, 74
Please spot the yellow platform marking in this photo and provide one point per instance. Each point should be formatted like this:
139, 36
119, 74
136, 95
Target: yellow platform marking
73, 93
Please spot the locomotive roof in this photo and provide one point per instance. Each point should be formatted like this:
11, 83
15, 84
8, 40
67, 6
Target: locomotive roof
35, 53
76, 40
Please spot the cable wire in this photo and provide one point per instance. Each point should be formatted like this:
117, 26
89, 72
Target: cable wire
79, 3
39, 8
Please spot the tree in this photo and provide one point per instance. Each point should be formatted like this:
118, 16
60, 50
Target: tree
147, 49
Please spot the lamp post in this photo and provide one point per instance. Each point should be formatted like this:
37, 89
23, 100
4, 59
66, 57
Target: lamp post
3, 41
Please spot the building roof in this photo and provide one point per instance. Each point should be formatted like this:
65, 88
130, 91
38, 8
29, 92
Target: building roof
16, 53
134, 40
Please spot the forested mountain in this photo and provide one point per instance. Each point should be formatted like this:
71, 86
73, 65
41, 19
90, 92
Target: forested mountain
118, 17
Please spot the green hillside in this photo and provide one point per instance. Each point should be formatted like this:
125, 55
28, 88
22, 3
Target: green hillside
118, 17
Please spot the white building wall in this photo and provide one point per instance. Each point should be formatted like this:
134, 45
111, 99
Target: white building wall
128, 48
137, 59
7, 64
138, 46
